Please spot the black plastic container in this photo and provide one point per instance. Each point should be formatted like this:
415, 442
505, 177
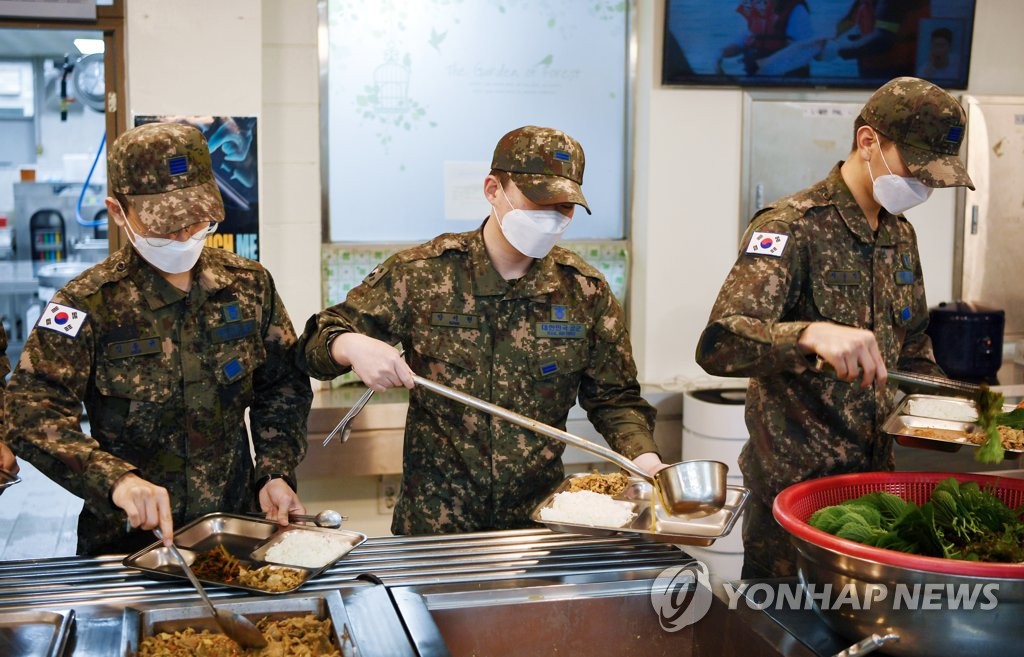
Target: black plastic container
968, 339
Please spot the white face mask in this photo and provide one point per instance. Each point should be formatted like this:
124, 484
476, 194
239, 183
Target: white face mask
174, 258
532, 232
897, 194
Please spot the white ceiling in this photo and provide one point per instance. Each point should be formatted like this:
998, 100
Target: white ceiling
24, 43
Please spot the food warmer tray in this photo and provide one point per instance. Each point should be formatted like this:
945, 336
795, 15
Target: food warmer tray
691, 529
35, 633
245, 538
951, 416
139, 624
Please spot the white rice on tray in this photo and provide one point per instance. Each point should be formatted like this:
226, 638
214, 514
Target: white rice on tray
941, 409
306, 549
584, 507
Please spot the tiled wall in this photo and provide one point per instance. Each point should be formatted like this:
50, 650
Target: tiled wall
345, 265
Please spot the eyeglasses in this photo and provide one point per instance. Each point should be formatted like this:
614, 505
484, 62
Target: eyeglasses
201, 234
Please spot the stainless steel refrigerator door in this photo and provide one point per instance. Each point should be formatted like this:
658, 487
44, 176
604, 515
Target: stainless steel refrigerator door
791, 140
990, 221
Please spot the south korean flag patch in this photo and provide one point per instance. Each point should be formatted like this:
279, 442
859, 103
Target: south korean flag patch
770, 244
62, 319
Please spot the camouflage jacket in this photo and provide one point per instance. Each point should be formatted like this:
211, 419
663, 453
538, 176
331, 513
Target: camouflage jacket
165, 377
5, 369
832, 268
531, 346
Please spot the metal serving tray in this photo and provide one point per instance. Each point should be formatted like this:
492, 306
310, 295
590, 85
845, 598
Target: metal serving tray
693, 529
245, 538
139, 624
35, 633
933, 412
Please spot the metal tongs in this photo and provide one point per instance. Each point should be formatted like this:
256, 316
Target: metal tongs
343, 425
924, 382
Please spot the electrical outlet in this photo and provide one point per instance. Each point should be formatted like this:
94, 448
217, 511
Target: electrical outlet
387, 494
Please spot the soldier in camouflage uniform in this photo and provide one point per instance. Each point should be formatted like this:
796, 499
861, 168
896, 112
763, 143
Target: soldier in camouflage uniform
833, 271
167, 343
502, 314
7, 460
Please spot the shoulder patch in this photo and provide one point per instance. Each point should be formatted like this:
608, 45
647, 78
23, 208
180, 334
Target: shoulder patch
62, 319
567, 258
770, 244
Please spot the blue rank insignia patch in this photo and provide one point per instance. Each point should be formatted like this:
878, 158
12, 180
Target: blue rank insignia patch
232, 370
559, 313
231, 312
549, 368
904, 277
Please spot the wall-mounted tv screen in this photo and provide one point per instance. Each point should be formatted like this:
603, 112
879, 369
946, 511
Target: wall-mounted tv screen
816, 43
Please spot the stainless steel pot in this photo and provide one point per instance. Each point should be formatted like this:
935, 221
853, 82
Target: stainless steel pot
928, 632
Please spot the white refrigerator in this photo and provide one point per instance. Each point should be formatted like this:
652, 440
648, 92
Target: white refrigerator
989, 247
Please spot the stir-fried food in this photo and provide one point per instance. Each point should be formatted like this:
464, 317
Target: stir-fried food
610, 484
216, 565
219, 565
299, 636
271, 578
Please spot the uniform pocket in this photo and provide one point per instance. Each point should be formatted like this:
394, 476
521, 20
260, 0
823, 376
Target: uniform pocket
841, 287
556, 375
444, 349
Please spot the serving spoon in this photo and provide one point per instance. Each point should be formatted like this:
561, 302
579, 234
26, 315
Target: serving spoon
237, 627
328, 518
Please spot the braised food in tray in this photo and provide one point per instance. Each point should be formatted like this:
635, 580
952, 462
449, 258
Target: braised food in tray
303, 636
610, 484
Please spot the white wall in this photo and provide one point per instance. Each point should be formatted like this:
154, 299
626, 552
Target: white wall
686, 196
259, 57
245, 58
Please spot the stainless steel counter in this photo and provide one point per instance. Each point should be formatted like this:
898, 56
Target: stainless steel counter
460, 572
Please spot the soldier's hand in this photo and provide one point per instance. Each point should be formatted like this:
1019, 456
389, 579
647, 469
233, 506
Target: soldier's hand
7, 460
146, 504
650, 463
378, 364
850, 351
277, 500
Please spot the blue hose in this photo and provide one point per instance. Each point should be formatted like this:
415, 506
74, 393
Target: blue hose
85, 186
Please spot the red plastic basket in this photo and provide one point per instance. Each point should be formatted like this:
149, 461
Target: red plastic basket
795, 505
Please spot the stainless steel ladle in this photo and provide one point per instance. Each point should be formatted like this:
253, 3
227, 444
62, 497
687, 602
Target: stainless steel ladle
688, 487
237, 627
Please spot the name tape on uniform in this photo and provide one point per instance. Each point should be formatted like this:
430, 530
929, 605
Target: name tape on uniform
62, 319
771, 244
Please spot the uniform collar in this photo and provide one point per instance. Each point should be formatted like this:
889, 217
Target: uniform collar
209, 277
539, 279
842, 198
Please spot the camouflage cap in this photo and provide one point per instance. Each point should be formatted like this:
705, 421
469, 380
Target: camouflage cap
165, 171
926, 124
546, 164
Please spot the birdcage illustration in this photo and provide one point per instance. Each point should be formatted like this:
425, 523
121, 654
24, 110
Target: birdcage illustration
392, 82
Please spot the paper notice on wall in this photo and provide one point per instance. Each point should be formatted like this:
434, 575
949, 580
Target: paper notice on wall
464, 190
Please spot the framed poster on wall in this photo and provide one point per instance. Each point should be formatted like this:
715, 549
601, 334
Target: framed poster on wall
233, 152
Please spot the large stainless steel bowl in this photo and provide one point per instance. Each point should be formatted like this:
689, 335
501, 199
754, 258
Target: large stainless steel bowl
927, 601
